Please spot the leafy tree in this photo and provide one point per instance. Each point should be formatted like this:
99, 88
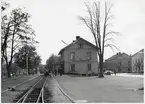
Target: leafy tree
4, 6
42, 68
99, 28
51, 61
14, 68
33, 58
15, 33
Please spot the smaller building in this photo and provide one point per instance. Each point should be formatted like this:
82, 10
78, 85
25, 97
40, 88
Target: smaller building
138, 62
120, 62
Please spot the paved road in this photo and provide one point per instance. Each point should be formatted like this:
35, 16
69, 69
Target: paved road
109, 89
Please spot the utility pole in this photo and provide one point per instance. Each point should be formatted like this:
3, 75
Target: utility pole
27, 63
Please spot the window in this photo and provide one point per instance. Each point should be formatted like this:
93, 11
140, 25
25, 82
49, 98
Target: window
72, 56
88, 55
81, 45
72, 66
89, 67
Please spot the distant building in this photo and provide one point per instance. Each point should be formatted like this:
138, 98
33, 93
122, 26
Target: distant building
121, 63
79, 57
138, 62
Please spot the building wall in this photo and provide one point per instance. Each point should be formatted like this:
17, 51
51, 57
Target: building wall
121, 63
80, 59
139, 56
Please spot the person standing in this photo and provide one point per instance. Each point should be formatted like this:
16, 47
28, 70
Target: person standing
60, 70
55, 72
115, 72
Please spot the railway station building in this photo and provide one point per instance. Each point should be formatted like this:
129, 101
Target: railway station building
79, 57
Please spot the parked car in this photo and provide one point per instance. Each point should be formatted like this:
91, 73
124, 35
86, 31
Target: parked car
108, 72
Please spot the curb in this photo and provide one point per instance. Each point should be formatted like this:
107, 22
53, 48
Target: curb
64, 93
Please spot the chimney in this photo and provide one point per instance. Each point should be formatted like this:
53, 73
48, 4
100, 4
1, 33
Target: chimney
77, 37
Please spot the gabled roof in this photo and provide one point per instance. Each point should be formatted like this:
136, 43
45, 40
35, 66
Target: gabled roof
141, 51
76, 42
116, 56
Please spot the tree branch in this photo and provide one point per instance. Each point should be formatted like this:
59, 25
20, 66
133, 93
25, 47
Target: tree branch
112, 46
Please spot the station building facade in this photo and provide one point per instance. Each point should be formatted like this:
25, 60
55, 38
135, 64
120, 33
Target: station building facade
79, 57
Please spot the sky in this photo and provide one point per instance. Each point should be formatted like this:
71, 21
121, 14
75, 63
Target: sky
56, 20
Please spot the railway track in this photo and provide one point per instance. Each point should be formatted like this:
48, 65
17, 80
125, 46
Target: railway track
39, 92
35, 94
14, 86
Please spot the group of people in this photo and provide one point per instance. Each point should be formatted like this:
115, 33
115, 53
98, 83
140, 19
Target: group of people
58, 71
55, 72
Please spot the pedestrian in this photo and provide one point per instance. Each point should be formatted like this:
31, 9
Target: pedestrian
115, 72
60, 70
55, 72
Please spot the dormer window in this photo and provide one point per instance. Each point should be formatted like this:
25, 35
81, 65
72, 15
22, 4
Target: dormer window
81, 45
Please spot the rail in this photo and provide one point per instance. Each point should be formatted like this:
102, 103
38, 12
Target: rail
35, 93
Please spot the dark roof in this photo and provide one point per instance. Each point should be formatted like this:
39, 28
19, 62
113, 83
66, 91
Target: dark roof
75, 42
116, 56
142, 50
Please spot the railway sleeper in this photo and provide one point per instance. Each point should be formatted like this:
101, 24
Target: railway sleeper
31, 100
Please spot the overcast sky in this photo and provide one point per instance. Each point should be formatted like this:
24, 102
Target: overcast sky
56, 20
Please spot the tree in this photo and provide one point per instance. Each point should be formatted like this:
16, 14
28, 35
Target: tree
42, 68
94, 23
15, 33
33, 58
51, 61
14, 69
4, 6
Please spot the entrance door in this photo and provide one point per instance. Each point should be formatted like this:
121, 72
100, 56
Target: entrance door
62, 68
89, 67
72, 66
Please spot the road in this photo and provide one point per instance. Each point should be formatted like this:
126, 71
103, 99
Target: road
109, 89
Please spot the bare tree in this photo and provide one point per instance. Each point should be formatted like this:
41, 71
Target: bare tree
14, 34
99, 29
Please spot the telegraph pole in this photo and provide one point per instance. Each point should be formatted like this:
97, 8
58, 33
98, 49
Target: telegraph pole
27, 63
27, 67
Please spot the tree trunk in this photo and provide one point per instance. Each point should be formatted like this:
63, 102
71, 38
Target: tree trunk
100, 75
8, 71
